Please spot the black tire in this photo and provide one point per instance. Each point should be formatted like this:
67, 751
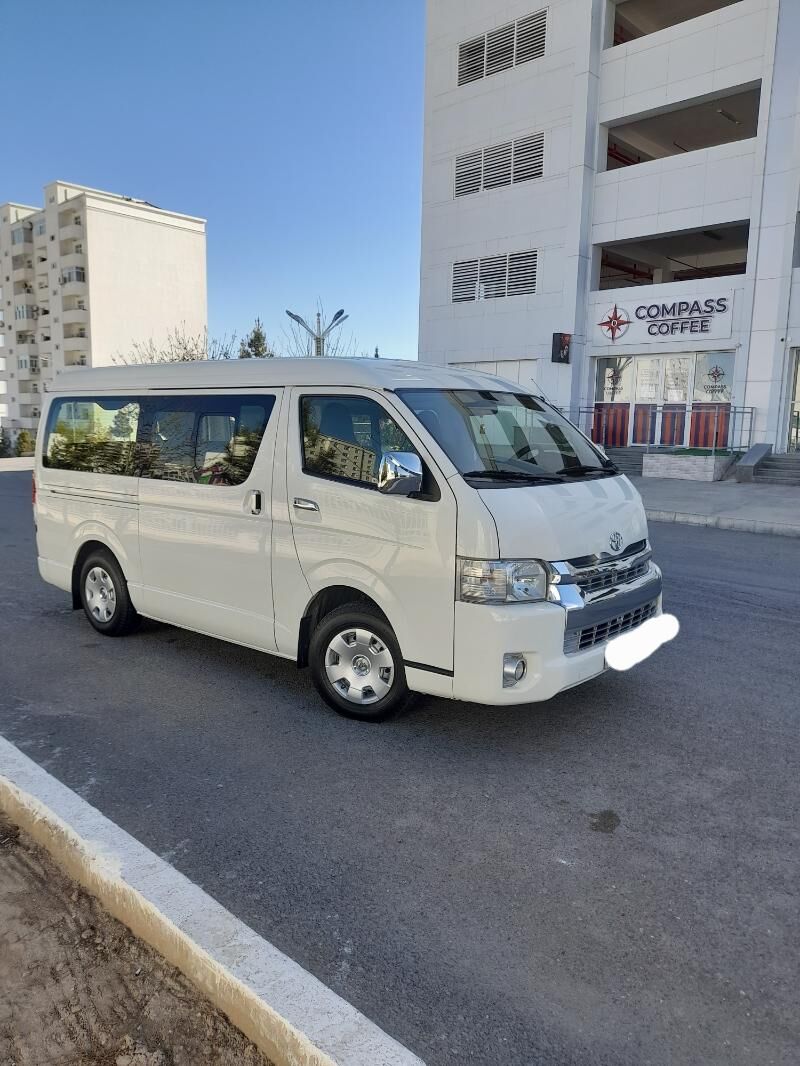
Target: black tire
108, 576
343, 622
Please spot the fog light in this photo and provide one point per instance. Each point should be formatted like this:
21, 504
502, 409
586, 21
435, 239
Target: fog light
514, 667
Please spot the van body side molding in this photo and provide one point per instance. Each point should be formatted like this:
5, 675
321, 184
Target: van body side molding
429, 669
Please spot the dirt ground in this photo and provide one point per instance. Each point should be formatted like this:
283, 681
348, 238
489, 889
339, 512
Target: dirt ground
78, 989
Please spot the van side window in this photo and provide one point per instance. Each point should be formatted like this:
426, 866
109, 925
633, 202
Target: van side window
96, 435
203, 440
344, 437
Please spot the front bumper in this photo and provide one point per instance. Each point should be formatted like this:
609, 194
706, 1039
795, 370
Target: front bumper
562, 647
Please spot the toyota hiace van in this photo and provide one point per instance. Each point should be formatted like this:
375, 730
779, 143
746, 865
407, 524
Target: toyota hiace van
395, 527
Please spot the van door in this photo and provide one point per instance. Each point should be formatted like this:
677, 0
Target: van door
398, 550
205, 512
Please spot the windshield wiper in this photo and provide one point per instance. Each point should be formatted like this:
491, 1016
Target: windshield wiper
580, 469
511, 475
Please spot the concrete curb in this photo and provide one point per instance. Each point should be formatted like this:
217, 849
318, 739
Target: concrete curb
290, 1015
743, 525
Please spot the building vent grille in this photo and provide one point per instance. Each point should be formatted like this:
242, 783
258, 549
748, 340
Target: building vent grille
529, 157
465, 280
522, 268
472, 60
500, 49
495, 276
531, 37
469, 173
497, 165
500, 165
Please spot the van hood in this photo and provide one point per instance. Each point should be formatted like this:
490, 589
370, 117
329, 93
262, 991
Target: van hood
555, 522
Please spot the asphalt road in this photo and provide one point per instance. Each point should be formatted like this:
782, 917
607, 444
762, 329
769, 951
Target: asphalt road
611, 877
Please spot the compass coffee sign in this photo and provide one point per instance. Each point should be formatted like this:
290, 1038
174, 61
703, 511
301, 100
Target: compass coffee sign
659, 320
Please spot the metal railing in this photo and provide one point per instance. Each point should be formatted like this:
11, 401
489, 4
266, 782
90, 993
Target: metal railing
710, 426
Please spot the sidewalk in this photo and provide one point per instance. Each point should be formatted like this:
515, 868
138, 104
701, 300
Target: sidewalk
25, 463
723, 504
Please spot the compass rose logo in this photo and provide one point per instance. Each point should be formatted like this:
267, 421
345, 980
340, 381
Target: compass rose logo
616, 323
715, 373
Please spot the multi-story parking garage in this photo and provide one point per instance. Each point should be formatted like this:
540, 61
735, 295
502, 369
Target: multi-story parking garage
610, 210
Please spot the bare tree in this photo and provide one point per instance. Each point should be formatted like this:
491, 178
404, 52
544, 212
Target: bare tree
299, 345
179, 347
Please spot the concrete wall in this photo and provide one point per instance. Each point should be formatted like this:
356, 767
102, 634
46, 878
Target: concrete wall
147, 277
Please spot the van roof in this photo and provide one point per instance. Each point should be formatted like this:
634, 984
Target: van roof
261, 373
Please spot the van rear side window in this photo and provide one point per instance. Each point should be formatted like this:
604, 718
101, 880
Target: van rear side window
203, 440
95, 435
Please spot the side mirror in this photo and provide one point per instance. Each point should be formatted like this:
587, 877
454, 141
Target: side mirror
400, 473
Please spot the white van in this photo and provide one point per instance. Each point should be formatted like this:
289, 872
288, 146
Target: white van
393, 526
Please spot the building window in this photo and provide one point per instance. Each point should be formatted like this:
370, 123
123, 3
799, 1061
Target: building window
502, 164
40, 228
502, 48
72, 274
17, 235
495, 276
22, 311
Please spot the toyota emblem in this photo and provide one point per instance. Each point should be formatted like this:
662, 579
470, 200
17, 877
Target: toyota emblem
615, 540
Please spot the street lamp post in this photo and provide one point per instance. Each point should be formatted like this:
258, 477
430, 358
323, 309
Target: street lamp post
321, 332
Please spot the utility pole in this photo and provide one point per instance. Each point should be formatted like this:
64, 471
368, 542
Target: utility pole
321, 332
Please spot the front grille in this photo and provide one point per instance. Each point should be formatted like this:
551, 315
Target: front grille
599, 579
576, 640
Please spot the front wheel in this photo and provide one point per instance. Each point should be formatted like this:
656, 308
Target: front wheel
356, 664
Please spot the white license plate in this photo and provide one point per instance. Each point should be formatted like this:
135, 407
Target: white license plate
628, 649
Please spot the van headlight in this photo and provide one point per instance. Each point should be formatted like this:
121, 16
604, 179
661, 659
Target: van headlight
501, 580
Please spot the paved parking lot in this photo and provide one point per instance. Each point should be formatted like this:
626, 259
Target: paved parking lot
608, 878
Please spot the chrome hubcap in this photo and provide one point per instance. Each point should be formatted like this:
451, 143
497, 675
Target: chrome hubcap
101, 596
359, 666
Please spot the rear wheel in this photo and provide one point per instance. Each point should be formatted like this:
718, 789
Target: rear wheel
104, 595
356, 664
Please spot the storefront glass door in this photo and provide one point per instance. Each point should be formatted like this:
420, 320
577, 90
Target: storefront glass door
671, 401
793, 444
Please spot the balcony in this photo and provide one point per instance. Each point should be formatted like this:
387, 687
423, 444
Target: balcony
73, 288
74, 316
694, 190
23, 272
702, 57
76, 343
75, 358
71, 232
26, 350
73, 259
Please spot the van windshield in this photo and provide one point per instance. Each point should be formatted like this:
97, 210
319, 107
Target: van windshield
505, 438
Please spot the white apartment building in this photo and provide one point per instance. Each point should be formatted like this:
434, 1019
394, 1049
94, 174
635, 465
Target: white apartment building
627, 174
84, 278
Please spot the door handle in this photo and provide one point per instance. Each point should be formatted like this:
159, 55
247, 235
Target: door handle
255, 501
305, 505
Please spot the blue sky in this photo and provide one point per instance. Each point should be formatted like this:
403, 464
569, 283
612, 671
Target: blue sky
294, 128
